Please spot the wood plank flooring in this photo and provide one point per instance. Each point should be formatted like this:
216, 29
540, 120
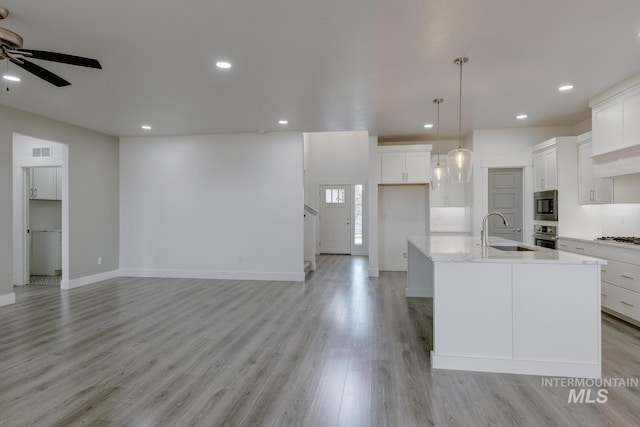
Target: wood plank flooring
340, 349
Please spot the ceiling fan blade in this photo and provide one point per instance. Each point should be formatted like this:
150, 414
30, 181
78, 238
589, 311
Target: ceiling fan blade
41, 72
62, 57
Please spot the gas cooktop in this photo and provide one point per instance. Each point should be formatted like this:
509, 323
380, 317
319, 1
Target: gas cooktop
630, 240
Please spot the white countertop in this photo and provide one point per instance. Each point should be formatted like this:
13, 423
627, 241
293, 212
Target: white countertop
603, 242
452, 248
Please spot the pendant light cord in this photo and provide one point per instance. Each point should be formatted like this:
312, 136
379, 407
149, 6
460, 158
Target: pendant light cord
438, 101
461, 60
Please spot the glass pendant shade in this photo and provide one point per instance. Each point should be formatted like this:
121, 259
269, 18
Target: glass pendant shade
439, 177
460, 164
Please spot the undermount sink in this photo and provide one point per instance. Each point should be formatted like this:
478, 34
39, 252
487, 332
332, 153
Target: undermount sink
513, 248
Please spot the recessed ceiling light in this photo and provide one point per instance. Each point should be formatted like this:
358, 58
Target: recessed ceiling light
283, 122
223, 64
146, 127
521, 116
11, 78
565, 88
428, 125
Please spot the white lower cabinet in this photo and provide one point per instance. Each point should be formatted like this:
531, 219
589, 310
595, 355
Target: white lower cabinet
621, 300
620, 293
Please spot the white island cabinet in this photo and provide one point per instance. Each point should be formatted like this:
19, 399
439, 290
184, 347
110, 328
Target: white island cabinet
534, 312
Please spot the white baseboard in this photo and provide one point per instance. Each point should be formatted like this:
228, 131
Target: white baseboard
220, 275
510, 366
7, 299
87, 280
374, 272
418, 293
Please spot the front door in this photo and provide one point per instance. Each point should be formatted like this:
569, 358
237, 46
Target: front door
335, 219
505, 195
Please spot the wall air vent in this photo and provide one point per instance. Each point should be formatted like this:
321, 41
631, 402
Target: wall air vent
41, 152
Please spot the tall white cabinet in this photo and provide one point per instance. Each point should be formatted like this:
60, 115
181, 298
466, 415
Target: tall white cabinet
403, 176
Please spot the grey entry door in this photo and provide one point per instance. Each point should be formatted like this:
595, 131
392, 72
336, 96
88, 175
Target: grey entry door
505, 195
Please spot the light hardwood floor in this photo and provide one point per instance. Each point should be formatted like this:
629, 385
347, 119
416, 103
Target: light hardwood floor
339, 350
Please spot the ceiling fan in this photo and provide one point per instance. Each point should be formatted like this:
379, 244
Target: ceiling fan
11, 49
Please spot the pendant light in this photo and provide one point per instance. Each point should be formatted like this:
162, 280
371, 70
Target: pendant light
439, 172
460, 160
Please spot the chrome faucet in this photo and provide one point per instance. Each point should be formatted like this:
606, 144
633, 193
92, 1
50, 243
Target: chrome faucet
485, 231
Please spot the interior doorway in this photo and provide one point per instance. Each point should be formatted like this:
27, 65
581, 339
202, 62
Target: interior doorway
40, 212
335, 219
505, 195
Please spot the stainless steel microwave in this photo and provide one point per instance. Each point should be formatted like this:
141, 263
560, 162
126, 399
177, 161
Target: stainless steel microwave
545, 205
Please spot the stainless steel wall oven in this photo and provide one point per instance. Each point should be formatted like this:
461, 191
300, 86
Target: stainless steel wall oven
545, 236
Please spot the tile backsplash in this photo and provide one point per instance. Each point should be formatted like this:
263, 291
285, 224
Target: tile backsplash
621, 220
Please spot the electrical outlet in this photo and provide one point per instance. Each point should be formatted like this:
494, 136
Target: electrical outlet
99, 260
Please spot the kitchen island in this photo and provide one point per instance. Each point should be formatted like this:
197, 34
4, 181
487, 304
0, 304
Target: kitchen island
508, 307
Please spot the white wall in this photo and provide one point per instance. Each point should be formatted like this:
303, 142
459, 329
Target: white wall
337, 158
402, 212
93, 193
501, 148
212, 206
45, 214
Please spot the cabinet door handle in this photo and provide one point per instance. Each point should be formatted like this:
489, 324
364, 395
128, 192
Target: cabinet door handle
30, 192
603, 294
35, 192
591, 195
563, 246
626, 303
604, 270
579, 249
627, 277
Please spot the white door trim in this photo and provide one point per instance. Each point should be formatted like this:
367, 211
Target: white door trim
21, 216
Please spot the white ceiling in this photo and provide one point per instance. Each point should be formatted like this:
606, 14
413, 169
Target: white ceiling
324, 65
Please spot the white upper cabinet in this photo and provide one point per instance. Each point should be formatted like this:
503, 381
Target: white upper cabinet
405, 164
592, 190
417, 167
545, 170
616, 129
607, 128
43, 183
